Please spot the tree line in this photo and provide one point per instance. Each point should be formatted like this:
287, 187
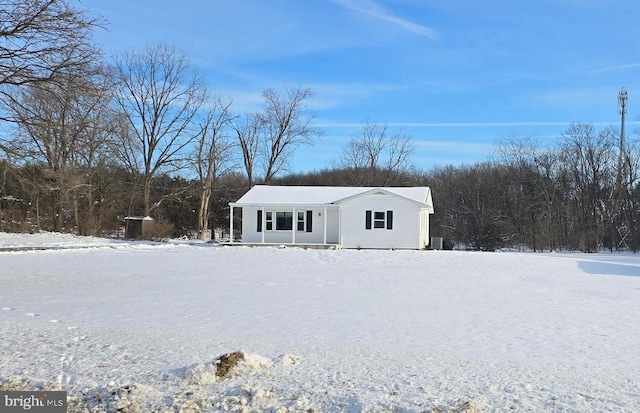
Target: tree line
88, 140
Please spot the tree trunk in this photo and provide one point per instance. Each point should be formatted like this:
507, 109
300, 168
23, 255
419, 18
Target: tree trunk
38, 213
203, 211
57, 210
147, 196
90, 224
76, 216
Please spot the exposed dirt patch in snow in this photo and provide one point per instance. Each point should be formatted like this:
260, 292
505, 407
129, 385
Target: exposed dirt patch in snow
228, 362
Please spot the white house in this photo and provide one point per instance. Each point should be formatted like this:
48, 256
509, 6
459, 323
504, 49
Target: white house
349, 217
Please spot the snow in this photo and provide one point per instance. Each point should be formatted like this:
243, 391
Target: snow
138, 326
43, 240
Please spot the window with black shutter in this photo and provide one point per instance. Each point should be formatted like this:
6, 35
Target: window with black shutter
379, 219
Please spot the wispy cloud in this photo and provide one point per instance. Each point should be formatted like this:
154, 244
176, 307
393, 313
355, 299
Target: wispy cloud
436, 152
614, 68
466, 124
335, 95
372, 9
242, 101
453, 146
325, 96
573, 97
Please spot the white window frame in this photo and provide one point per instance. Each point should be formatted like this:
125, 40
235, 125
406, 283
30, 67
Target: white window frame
271, 220
268, 220
302, 221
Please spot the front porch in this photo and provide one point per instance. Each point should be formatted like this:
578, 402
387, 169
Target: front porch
311, 226
286, 245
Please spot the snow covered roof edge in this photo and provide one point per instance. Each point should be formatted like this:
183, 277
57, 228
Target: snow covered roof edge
323, 195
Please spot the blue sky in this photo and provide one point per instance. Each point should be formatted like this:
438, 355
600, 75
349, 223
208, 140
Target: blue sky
456, 75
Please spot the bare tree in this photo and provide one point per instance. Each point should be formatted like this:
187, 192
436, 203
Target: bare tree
64, 127
376, 156
286, 127
472, 205
212, 158
518, 155
248, 131
159, 95
629, 235
553, 212
590, 161
95, 155
40, 40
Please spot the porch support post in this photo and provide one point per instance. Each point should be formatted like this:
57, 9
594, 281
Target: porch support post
340, 241
231, 224
263, 225
324, 236
294, 225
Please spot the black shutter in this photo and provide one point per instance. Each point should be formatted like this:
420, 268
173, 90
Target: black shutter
259, 220
389, 219
367, 224
309, 221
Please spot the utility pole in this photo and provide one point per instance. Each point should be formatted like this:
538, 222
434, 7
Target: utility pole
623, 98
623, 231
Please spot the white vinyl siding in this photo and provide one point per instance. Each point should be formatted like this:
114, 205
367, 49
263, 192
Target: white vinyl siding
405, 233
333, 226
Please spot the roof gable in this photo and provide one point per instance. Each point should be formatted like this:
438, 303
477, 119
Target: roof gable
325, 195
419, 194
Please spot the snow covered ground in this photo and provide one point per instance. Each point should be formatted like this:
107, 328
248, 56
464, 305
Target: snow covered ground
135, 326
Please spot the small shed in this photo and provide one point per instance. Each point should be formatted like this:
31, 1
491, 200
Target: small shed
137, 227
348, 217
